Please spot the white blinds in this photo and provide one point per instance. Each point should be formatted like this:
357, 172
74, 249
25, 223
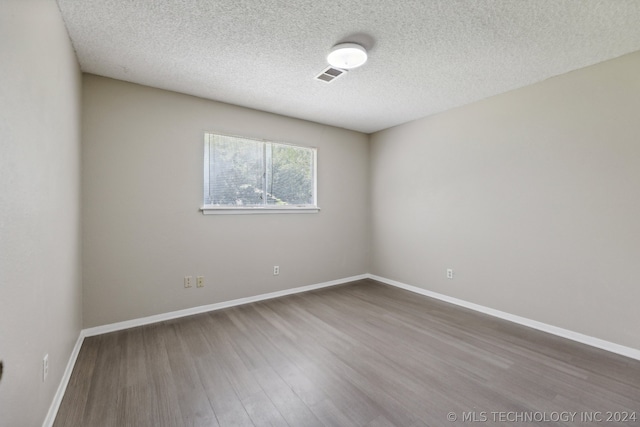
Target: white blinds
247, 172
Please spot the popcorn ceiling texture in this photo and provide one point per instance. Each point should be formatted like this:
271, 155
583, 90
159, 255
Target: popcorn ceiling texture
424, 56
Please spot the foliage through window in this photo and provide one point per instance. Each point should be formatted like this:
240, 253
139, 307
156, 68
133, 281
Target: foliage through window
248, 173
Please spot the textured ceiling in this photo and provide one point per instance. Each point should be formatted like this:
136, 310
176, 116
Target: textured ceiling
425, 56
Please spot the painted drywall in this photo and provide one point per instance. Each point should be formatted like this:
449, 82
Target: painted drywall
40, 298
530, 196
142, 189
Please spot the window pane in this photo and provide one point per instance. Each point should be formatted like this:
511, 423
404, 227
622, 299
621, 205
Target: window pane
290, 176
235, 171
246, 172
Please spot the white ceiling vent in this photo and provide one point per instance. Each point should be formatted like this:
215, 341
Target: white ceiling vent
330, 74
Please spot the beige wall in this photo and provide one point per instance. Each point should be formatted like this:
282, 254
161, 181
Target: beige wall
142, 188
40, 291
532, 197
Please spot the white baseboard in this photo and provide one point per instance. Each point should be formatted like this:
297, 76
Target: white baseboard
564, 333
98, 330
64, 382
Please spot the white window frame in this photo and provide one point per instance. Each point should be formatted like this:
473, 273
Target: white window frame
208, 209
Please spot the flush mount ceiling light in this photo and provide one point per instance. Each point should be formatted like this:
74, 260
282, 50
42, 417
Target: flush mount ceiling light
347, 56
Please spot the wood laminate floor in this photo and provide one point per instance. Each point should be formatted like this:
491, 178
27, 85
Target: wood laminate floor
361, 354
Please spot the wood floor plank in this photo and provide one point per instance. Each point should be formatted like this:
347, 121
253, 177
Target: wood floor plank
380, 422
262, 411
221, 394
292, 408
72, 408
330, 415
158, 369
275, 348
134, 406
361, 354
102, 400
191, 397
223, 348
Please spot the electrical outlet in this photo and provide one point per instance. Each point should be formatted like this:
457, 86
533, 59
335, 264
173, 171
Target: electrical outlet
200, 281
45, 367
276, 270
449, 273
187, 281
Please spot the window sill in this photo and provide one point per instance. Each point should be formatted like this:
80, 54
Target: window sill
230, 210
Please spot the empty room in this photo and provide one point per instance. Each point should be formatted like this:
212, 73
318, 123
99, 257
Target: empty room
339, 213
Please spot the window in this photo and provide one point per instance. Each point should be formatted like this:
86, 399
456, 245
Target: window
243, 175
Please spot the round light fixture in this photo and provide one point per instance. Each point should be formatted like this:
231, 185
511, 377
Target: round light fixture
347, 56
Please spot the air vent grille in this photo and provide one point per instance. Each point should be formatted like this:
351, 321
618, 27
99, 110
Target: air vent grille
330, 74
325, 77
